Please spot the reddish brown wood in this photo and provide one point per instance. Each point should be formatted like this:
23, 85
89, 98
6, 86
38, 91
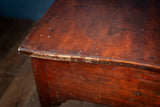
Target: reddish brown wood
39, 70
41, 82
126, 30
103, 51
105, 84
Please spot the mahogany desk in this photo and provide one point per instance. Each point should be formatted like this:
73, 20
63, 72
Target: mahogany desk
102, 51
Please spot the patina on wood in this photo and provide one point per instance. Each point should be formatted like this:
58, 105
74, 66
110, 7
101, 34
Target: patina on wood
98, 83
122, 30
123, 35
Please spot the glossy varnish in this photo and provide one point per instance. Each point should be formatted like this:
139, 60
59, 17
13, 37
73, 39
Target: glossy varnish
59, 81
103, 51
104, 29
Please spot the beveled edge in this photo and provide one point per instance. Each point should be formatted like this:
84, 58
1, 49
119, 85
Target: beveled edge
87, 59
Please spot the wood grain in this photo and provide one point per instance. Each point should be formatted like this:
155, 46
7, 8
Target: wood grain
104, 84
41, 81
101, 51
15, 71
99, 31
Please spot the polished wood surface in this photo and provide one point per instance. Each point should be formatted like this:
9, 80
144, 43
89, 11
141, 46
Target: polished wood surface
102, 51
98, 83
99, 31
17, 85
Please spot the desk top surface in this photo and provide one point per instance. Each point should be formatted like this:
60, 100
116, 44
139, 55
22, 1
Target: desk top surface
98, 31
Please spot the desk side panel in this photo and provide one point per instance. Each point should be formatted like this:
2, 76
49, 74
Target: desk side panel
41, 82
105, 84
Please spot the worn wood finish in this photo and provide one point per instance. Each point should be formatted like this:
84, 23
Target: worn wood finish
103, 51
105, 84
124, 31
41, 81
17, 86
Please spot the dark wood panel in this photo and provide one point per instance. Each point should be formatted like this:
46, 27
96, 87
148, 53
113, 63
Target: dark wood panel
102, 51
125, 31
105, 84
17, 86
41, 81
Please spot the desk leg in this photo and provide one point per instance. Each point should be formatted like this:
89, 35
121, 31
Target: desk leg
41, 82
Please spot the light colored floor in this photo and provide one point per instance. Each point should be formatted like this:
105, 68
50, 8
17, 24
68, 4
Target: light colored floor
17, 86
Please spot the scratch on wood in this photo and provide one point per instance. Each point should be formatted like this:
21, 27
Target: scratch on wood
86, 59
